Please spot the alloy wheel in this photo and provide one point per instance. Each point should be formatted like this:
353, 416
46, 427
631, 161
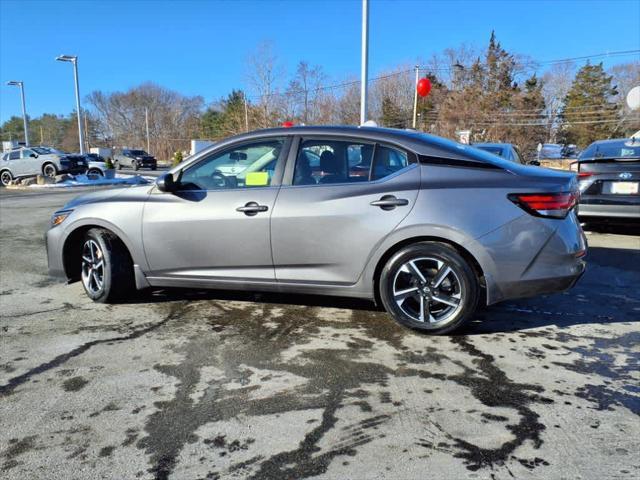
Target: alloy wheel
49, 171
92, 267
428, 290
5, 178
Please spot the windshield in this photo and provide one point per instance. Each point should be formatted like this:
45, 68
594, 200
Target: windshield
45, 150
620, 149
495, 150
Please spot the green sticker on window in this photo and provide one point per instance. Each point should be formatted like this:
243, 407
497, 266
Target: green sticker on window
257, 179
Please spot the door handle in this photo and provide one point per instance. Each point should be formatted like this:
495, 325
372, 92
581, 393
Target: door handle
389, 202
252, 208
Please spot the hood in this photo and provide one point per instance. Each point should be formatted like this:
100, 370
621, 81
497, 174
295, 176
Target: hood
108, 195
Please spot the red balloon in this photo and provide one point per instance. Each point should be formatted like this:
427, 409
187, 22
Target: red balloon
423, 87
287, 124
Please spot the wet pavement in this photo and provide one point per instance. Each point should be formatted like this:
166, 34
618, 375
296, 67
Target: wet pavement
208, 385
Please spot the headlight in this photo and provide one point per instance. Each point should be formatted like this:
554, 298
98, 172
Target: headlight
59, 217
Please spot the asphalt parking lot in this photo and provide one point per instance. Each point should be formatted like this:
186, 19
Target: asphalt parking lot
208, 385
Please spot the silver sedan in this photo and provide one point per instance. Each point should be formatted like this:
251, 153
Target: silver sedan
427, 227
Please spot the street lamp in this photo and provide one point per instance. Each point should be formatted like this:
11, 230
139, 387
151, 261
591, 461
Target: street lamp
74, 59
24, 110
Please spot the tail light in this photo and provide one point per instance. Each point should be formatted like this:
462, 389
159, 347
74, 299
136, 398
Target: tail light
554, 205
583, 175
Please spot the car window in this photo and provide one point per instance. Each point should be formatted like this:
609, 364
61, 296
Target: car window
14, 155
516, 155
388, 161
332, 161
248, 165
26, 153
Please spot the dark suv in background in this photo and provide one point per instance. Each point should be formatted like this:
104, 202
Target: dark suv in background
134, 159
609, 180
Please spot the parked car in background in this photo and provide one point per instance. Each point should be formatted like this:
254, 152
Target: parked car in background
415, 233
508, 151
135, 159
609, 179
30, 161
97, 165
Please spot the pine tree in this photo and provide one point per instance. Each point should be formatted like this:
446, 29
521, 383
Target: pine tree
588, 113
392, 114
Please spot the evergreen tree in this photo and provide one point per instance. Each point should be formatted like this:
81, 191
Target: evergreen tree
588, 113
392, 114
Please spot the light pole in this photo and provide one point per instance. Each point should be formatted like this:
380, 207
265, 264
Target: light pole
364, 61
74, 59
24, 110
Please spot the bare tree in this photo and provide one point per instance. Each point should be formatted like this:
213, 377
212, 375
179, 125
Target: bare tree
173, 118
556, 83
304, 91
265, 74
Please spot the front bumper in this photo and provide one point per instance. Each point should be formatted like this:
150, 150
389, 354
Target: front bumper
53, 242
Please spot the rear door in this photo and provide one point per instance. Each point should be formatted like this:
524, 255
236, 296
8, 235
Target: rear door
328, 218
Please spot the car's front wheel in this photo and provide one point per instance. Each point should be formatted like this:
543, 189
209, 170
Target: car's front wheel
135, 166
107, 269
95, 171
430, 287
6, 178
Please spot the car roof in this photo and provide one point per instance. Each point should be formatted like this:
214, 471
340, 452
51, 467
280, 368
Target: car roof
415, 141
612, 140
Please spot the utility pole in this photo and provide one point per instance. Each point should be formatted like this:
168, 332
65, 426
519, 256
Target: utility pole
415, 98
364, 70
86, 129
246, 112
146, 121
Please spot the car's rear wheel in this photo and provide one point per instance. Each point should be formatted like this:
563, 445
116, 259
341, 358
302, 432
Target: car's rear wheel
49, 170
95, 171
430, 287
106, 267
6, 178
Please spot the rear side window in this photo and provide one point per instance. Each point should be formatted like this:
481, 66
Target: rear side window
343, 161
14, 155
388, 161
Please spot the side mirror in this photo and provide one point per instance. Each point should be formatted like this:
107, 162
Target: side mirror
166, 183
33, 155
534, 162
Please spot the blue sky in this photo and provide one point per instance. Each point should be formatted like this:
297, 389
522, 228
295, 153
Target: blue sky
201, 47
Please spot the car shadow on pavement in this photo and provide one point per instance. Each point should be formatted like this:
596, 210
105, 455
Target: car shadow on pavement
605, 294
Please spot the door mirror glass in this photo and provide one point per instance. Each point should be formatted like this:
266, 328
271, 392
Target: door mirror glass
535, 163
166, 183
34, 155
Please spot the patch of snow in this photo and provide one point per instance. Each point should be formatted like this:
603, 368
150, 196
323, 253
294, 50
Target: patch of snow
84, 181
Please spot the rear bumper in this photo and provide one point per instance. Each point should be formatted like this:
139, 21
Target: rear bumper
543, 286
533, 256
615, 210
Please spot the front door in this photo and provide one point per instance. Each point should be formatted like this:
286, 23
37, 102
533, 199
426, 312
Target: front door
345, 197
216, 226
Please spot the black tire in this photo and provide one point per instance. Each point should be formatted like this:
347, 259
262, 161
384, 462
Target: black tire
135, 166
117, 165
154, 168
95, 171
117, 272
49, 170
460, 288
6, 177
